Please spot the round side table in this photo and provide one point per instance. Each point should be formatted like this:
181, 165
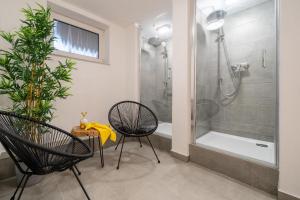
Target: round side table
91, 133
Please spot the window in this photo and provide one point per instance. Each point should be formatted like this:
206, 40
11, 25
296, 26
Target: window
77, 40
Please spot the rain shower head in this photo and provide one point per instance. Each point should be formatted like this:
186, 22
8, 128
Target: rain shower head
154, 41
215, 20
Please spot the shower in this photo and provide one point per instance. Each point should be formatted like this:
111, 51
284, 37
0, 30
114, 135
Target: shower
156, 68
154, 41
157, 42
165, 57
235, 105
215, 22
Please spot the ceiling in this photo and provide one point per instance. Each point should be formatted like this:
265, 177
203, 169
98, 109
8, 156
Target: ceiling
149, 26
231, 6
150, 13
125, 12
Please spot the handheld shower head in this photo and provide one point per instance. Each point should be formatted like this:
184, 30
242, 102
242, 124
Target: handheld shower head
215, 20
154, 41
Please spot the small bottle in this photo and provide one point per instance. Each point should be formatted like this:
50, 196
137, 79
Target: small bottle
83, 120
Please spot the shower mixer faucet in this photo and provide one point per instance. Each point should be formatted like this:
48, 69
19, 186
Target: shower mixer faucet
240, 67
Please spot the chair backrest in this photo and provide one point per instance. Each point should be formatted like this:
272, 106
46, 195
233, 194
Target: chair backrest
132, 118
28, 141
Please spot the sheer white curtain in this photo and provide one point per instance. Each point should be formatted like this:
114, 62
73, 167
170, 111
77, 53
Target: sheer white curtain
75, 40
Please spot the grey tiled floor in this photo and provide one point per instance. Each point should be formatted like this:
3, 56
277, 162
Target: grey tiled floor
139, 178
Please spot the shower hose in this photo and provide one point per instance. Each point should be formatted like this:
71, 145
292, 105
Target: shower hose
234, 75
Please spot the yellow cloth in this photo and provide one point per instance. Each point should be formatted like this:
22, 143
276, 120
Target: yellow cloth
105, 131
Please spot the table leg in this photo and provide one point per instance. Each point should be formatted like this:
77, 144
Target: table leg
93, 144
101, 152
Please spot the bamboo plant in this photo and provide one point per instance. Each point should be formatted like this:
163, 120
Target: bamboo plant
25, 75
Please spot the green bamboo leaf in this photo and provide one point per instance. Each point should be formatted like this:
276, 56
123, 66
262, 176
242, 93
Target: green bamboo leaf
25, 74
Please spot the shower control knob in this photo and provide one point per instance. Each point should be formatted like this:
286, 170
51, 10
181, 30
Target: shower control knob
245, 66
241, 67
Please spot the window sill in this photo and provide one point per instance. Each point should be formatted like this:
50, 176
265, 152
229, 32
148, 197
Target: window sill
79, 57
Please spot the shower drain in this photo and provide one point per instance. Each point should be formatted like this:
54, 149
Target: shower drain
262, 145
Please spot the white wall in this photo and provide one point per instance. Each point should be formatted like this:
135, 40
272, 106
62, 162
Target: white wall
133, 56
181, 78
96, 87
10, 12
289, 100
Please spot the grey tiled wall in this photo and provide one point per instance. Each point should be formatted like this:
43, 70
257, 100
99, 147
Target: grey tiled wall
252, 113
153, 92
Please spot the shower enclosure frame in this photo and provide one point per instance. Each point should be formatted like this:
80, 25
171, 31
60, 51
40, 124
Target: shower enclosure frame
194, 81
160, 140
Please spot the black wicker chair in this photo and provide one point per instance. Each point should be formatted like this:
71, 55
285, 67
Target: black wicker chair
132, 119
42, 148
